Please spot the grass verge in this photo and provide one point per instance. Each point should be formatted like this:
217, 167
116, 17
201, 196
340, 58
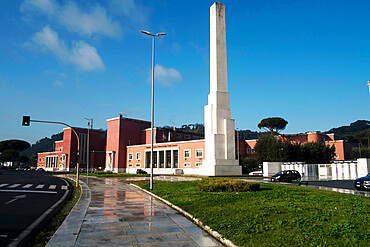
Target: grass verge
276, 215
48, 230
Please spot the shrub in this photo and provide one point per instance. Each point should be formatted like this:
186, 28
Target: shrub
226, 184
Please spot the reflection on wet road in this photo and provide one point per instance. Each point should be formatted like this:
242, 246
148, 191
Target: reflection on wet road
121, 215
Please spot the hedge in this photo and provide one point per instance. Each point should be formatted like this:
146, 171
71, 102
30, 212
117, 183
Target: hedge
226, 184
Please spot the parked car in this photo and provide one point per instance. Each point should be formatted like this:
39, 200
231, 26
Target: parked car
286, 176
40, 169
362, 183
256, 173
140, 171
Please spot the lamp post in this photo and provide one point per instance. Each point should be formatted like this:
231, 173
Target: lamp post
237, 131
152, 110
89, 125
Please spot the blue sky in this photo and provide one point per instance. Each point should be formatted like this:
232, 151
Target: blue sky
305, 61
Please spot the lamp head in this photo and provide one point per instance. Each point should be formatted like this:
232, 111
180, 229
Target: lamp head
160, 34
146, 32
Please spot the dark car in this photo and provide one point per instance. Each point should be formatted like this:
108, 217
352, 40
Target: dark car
139, 171
362, 183
286, 176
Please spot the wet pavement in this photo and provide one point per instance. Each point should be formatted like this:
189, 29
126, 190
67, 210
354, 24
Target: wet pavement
120, 215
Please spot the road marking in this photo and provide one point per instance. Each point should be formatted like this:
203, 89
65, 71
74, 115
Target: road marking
3, 236
2, 185
40, 186
16, 198
27, 186
52, 187
14, 185
64, 187
31, 191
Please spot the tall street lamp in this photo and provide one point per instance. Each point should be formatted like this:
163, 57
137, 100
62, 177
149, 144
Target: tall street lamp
152, 117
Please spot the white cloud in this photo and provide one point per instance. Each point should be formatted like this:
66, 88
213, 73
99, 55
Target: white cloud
129, 9
81, 54
93, 20
47, 6
58, 83
166, 76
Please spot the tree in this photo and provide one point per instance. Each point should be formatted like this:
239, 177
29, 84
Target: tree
318, 153
270, 148
9, 155
273, 123
23, 159
17, 145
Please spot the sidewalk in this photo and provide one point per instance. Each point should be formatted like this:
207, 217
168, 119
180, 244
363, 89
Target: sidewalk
118, 214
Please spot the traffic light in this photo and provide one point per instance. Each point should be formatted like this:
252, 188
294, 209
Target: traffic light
77, 157
26, 120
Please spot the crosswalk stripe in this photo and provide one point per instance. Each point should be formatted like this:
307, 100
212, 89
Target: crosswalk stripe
2, 185
14, 185
64, 187
27, 186
40, 186
52, 187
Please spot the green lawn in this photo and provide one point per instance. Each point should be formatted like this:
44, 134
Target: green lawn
277, 215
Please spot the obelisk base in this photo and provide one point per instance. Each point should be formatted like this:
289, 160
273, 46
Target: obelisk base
220, 168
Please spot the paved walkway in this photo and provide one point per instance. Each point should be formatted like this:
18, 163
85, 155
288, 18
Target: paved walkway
121, 215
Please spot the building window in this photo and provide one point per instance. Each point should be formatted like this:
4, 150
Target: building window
43, 159
175, 158
196, 137
187, 153
242, 150
130, 156
252, 151
178, 136
138, 165
130, 165
39, 159
198, 164
199, 153
138, 156
60, 149
187, 137
147, 159
61, 158
248, 150
187, 164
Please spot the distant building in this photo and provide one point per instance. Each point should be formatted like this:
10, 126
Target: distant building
63, 158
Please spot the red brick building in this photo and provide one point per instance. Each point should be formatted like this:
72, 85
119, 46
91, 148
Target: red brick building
63, 158
127, 147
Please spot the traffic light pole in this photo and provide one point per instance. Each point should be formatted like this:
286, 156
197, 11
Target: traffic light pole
78, 141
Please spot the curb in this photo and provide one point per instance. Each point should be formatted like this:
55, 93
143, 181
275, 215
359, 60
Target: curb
191, 217
68, 231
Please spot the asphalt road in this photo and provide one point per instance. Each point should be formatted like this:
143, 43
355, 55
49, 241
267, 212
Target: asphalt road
25, 199
341, 184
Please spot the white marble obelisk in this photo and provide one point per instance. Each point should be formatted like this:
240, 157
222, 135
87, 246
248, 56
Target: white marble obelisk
219, 127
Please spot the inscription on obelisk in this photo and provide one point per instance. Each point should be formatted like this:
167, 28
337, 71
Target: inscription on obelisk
219, 127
